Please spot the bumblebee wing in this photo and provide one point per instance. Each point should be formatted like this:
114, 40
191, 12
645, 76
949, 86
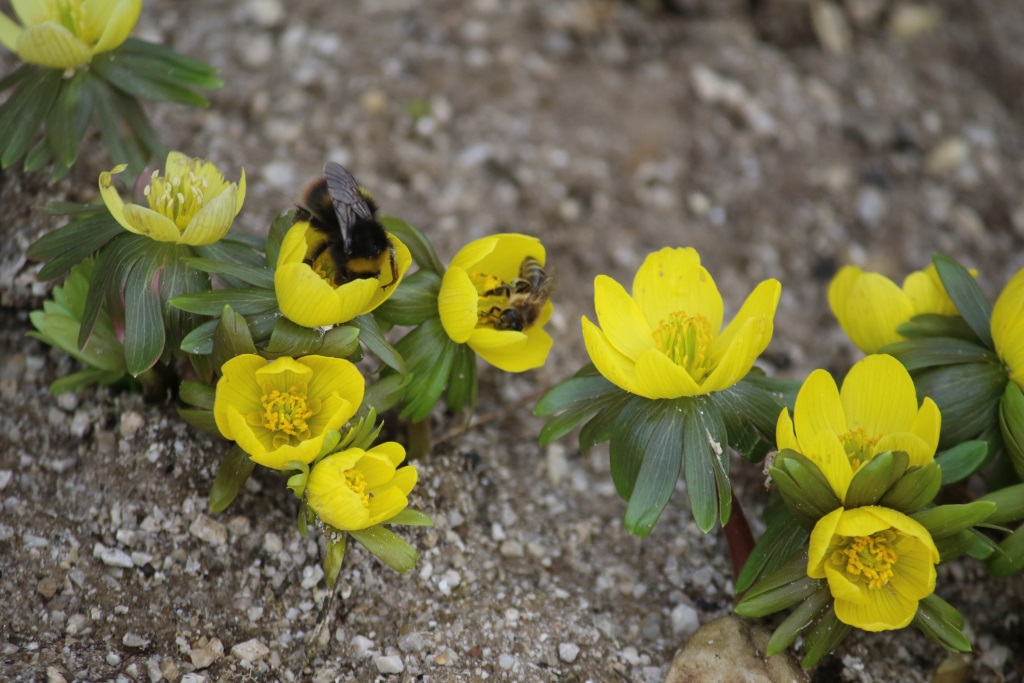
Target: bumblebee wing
543, 292
349, 203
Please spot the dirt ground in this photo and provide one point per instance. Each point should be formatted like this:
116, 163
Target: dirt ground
775, 146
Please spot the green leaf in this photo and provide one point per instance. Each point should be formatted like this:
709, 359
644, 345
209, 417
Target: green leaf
1009, 504
419, 246
77, 381
148, 84
388, 547
246, 301
462, 383
967, 396
68, 119
278, 228
200, 340
373, 339
234, 471
933, 325
231, 338
941, 623
913, 490
961, 461
1011, 426
385, 393
197, 394
431, 355
144, 334
250, 275
823, 637
966, 295
662, 461
25, 110
947, 520
573, 393
629, 430
175, 279
290, 339
1010, 559
780, 541
202, 420
233, 248
410, 517
153, 56
875, 478
782, 588
19, 75
414, 301
137, 121
334, 557
261, 325
340, 342
806, 613
117, 134
919, 354
803, 487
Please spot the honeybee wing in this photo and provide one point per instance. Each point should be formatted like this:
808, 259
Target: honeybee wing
349, 203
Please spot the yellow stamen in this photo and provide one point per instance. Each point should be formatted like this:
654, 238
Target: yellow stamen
178, 198
868, 559
492, 296
286, 413
354, 480
859, 447
687, 342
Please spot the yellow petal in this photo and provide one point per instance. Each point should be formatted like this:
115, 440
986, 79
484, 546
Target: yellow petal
761, 304
915, 571
213, 220
526, 353
926, 293
879, 396
818, 407
51, 45
457, 304
844, 589
672, 280
403, 259
237, 390
179, 164
386, 504
335, 376
826, 451
278, 459
506, 255
869, 308
111, 197
118, 24
470, 255
145, 221
886, 610
658, 377
911, 444
927, 425
1008, 326
821, 539
376, 469
31, 12
240, 195
284, 373
623, 323
785, 436
405, 479
393, 451
615, 367
9, 32
746, 344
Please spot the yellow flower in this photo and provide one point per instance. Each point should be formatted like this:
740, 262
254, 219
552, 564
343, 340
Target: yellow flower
666, 340
1008, 327
307, 294
870, 307
279, 411
879, 564
356, 489
65, 34
466, 298
192, 204
876, 411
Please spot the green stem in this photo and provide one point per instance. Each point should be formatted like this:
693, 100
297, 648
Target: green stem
738, 534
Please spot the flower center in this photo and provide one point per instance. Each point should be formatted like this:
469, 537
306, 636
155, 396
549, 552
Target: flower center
354, 480
71, 15
868, 559
179, 197
686, 340
859, 447
286, 414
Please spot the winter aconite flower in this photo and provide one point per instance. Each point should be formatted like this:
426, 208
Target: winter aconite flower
1008, 327
870, 307
356, 489
191, 204
308, 294
479, 284
280, 411
65, 34
666, 340
876, 411
879, 564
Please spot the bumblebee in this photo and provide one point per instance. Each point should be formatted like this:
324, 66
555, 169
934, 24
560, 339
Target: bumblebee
526, 296
342, 210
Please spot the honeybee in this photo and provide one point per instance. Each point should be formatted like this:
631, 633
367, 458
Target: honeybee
338, 207
526, 296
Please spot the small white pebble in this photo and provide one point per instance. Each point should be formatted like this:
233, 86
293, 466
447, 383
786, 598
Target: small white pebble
568, 652
389, 665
